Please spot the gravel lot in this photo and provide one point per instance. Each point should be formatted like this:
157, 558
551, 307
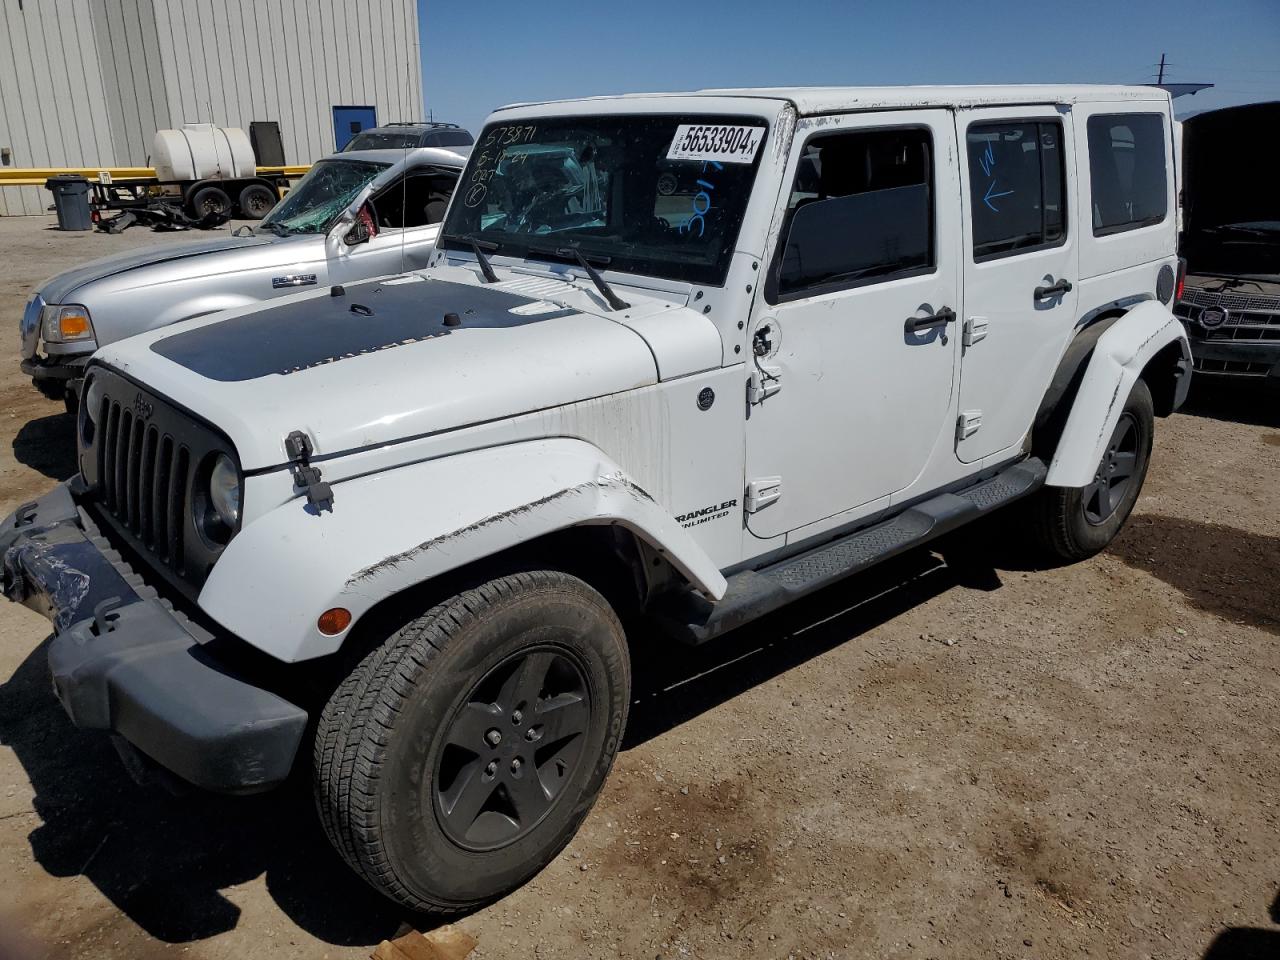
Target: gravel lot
957, 756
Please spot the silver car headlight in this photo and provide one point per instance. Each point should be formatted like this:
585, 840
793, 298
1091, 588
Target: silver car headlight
65, 323
224, 491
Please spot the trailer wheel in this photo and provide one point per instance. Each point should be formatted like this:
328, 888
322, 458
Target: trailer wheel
210, 201
255, 200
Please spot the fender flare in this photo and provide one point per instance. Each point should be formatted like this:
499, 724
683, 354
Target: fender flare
395, 529
1118, 359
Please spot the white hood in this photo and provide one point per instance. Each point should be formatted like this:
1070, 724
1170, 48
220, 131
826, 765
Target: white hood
381, 361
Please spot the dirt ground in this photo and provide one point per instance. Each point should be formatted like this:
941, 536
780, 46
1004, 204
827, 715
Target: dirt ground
964, 759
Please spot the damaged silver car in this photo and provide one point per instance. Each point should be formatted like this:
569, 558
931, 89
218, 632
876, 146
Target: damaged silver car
355, 215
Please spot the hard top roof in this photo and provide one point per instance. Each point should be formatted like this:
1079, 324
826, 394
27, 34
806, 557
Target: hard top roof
820, 100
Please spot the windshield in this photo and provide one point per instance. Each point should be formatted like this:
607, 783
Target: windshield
652, 194
381, 141
320, 196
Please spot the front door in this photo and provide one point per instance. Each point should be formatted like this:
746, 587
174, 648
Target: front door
348, 121
406, 218
854, 339
1020, 261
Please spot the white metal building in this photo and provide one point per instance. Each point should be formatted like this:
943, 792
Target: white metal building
86, 83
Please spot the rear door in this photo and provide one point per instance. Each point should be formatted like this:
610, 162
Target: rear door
1020, 269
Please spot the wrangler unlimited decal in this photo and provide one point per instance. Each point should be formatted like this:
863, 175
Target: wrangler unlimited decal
704, 514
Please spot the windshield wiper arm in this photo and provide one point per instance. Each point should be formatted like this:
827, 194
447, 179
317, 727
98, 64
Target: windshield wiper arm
479, 246
573, 253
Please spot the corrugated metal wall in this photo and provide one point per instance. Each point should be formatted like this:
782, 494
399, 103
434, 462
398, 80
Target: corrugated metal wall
89, 83
53, 107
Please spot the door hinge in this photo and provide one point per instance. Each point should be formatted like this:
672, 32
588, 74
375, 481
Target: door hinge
763, 382
968, 423
761, 492
297, 446
975, 329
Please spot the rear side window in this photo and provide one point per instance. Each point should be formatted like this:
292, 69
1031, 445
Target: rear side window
860, 210
447, 138
1127, 157
1017, 182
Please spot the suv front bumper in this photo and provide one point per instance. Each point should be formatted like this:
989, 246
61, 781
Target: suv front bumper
124, 661
1237, 358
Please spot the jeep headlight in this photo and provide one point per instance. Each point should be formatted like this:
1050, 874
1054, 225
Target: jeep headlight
224, 491
65, 323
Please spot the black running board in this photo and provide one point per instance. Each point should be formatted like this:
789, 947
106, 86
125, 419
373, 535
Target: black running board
753, 593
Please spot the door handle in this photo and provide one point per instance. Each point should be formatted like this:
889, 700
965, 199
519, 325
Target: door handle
940, 319
1053, 290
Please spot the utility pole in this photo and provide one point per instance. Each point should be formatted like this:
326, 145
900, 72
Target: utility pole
1160, 78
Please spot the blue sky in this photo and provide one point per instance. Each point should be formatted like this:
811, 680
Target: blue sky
478, 56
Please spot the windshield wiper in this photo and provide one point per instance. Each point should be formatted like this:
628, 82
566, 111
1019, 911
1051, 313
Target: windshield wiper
573, 253
479, 246
280, 230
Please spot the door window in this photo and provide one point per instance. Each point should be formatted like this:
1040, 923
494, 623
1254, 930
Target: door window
1127, 171
416, 201
1017, 186
860, 211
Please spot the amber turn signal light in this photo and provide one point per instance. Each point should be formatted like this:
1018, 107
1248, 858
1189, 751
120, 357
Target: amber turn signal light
333, 622
73, 326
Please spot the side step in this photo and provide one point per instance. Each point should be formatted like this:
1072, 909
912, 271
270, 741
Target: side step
753, 593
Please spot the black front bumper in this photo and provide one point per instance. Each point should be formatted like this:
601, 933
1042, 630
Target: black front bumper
1237, 358
70, 367
124, 661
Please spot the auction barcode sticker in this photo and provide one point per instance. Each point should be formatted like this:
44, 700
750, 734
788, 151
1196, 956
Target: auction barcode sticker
724, 144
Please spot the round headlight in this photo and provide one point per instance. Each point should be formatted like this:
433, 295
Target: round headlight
224, 490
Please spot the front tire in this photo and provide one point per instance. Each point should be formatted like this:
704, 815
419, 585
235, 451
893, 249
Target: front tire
461, 755
1074, 523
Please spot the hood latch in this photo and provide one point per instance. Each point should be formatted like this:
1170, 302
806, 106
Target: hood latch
297, 446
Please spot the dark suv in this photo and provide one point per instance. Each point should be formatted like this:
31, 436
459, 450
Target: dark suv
395, 136
1231, 241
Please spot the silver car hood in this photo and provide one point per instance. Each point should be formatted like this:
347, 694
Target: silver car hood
59, 289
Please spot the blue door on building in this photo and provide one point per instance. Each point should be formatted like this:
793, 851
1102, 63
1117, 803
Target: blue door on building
348, 121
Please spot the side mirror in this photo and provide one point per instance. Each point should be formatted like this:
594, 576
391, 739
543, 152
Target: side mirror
358, 228
358, 233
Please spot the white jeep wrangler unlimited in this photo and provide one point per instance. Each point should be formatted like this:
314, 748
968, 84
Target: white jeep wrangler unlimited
687, 356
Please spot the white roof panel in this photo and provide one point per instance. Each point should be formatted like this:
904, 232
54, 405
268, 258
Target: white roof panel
819, 100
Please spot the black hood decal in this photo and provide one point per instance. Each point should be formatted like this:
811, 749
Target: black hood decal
363, 318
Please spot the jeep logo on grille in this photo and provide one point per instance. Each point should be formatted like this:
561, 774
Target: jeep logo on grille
1213, 317
143, 407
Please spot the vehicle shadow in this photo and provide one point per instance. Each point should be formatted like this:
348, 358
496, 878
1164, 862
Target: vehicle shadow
1247, 943
672, 683
164, 861
1241, 401
1221, 570
48, 445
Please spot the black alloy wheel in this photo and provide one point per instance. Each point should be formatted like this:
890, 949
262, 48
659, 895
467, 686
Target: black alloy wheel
510, 748
1115, 472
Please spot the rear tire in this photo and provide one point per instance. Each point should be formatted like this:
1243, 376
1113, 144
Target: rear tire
256, 200
1073, 523
461, 755
210, 202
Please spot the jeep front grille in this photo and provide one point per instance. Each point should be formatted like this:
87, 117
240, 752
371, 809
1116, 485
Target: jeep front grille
144, 476
144, 459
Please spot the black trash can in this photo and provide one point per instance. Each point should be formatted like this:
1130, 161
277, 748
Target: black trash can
71, 200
